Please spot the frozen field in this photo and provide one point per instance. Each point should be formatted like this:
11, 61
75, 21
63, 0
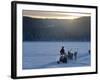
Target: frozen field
38, 55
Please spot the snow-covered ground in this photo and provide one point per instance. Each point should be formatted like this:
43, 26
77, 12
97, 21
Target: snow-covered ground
38, 55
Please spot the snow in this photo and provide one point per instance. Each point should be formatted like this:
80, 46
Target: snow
37, 55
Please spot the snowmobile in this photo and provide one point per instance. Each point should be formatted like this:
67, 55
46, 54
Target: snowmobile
62, 59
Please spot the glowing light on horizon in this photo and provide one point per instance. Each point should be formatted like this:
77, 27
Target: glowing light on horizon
55, 15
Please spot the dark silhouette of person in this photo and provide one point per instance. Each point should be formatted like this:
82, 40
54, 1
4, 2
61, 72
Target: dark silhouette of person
63, 56
62, 51
89, 52
75, 55
70, 55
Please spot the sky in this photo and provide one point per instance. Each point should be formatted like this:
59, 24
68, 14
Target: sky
53, 14
56, 26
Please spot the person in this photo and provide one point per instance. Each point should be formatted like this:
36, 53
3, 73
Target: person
75, 55
89, 51
62, 51
63, 56
70, 54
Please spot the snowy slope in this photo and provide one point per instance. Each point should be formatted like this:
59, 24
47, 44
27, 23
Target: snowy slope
38, 55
